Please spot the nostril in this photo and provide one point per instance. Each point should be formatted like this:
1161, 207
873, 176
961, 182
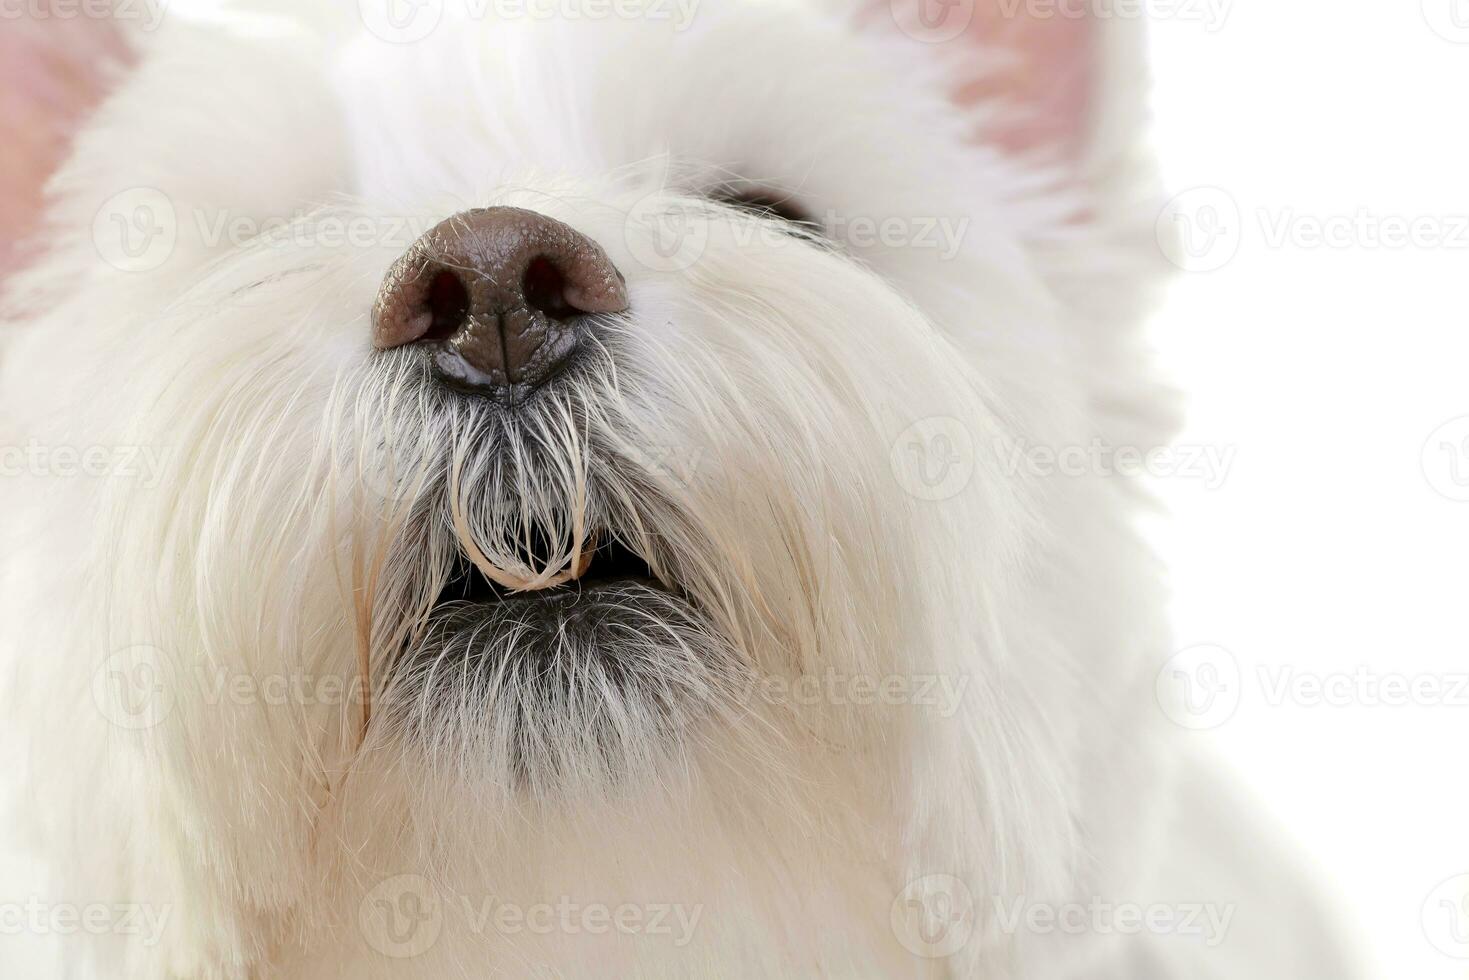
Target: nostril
448, 305
545, 290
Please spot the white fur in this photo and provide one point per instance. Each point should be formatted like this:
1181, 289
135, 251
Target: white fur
738, 430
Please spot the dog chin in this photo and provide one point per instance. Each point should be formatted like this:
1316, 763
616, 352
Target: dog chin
578, 690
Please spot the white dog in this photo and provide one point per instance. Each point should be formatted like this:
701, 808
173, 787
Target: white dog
559, 489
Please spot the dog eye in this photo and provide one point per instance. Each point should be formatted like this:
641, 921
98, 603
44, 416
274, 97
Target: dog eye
770, 204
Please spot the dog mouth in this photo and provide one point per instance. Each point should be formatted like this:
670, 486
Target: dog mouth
549, 607
603, 564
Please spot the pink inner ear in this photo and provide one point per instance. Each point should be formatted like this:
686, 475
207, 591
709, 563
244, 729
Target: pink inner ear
1046, 67
51, 75
1052, 78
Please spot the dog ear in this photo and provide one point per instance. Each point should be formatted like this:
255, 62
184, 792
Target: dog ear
54, 71
1064, 80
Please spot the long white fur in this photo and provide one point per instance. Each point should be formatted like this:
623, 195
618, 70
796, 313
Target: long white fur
317, 494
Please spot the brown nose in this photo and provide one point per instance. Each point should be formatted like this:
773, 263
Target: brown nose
498, 297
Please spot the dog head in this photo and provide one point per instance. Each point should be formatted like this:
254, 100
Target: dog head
510, 412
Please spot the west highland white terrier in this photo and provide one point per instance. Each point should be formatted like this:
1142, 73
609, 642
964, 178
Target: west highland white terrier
568, 488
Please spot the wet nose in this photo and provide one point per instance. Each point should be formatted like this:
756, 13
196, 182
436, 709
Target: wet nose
498, 297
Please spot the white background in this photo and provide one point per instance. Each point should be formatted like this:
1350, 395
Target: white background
1332, 546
